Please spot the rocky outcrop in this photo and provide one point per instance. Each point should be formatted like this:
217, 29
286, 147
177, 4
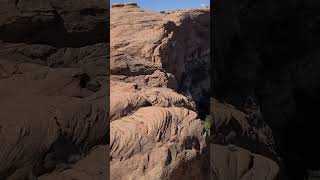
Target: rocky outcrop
242, 144
59, 23
270, 59
232, 162
156, 130
53, 61
244, 128
84, 168
171, 49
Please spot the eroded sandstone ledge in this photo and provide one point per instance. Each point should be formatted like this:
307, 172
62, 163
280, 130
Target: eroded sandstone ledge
159, 73
53, 72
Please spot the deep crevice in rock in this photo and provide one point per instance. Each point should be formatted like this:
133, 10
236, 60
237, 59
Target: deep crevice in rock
274, 62
187, 57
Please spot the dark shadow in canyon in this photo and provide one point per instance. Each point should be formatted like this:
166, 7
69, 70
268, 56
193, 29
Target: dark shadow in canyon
188, 59
273, 57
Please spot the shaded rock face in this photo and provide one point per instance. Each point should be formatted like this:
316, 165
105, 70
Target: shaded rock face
58, 23
232, 162
271, 59
53, 65
242, 144
156, 131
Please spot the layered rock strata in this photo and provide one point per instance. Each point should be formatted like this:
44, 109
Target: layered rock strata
159, 73
53, 72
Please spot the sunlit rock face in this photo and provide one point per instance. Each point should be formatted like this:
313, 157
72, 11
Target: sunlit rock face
159, 67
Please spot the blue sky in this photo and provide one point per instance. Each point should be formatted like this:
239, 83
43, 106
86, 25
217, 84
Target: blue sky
159, 5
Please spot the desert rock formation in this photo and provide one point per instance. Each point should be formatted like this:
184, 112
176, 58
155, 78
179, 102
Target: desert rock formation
242, 144
266, 61
53, 73
159, 66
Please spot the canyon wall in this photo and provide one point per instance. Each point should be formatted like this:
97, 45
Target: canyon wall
159, 67
266, 71
53, 72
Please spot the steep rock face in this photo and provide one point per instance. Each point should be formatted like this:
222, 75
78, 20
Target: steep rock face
59, 23
176, 43
271, 58
155, 130
53, 66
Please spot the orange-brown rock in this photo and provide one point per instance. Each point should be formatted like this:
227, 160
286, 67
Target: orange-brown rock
155, 131
53, 74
